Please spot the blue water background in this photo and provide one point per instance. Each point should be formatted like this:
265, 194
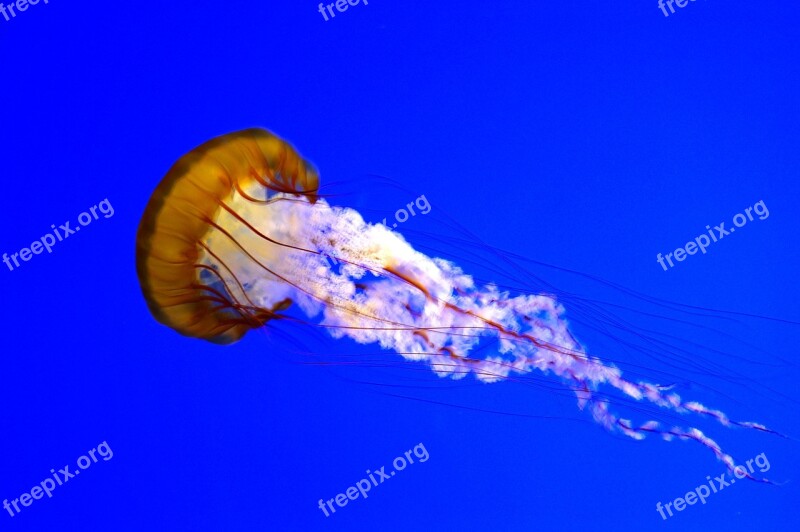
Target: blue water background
591, 136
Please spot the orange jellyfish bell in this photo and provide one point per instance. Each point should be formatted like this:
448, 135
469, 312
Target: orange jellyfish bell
183, 290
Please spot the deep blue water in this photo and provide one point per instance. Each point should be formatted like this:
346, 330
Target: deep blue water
589, 136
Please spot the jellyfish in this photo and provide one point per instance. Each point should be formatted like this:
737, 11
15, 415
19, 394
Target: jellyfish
237, 232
